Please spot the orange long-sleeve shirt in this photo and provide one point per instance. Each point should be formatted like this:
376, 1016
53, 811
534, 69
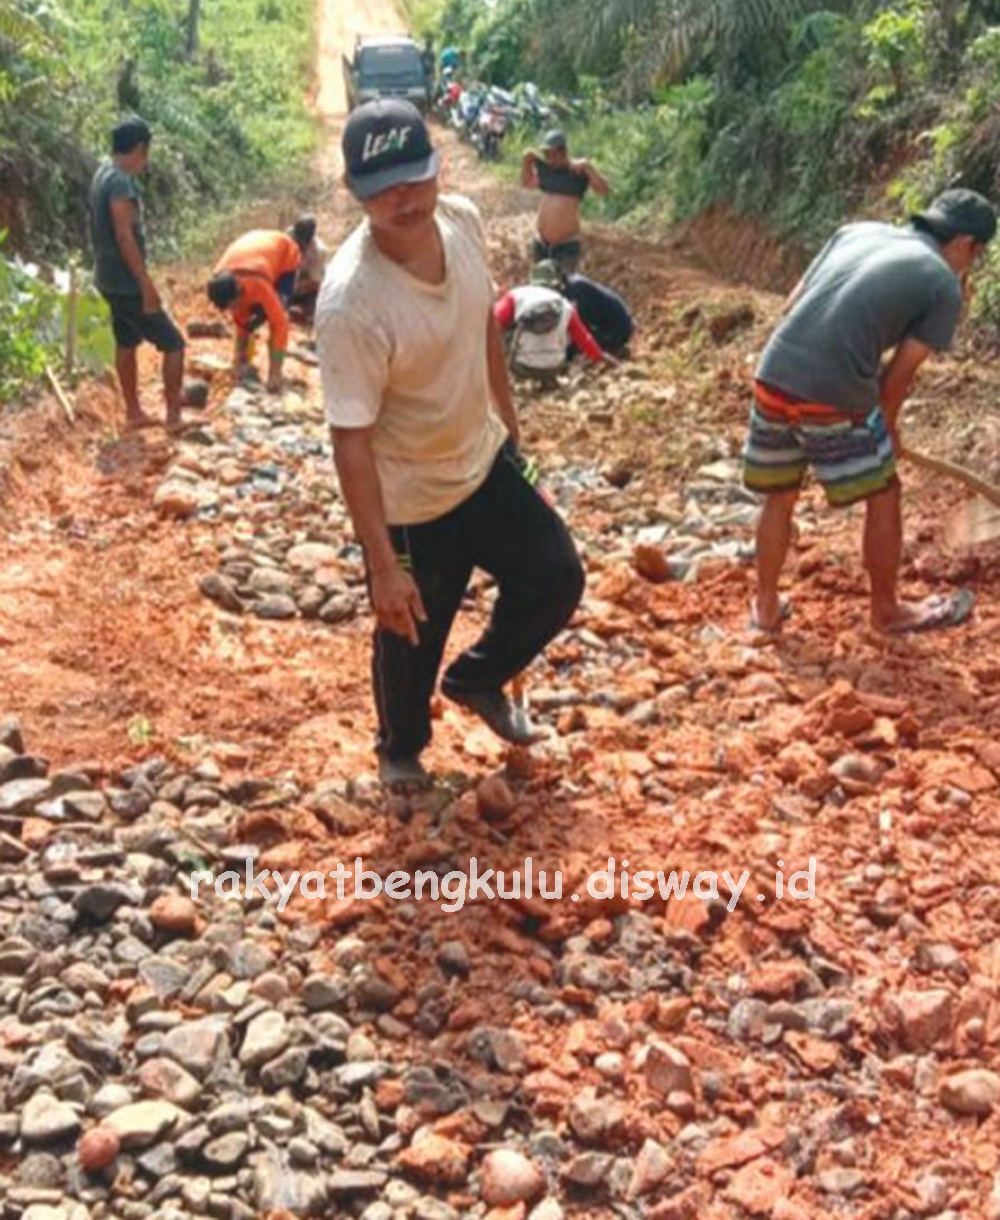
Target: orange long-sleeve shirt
259, 259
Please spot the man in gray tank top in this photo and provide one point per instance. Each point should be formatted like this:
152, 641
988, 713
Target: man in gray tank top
824, 399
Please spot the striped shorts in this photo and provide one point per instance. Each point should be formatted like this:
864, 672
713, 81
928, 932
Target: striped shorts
852, 456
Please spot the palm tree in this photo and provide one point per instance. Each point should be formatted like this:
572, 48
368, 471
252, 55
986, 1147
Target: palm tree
669, 34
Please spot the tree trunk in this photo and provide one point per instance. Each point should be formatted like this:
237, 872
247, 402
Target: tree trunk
193, 18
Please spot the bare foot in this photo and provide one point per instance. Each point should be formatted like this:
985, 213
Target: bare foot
175, 426
941, 610
133, 423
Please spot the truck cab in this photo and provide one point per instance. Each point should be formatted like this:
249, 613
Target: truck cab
387, 66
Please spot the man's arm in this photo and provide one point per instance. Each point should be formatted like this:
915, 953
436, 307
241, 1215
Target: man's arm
499, 381
793, 297
277, 323
597, 181
897, 381
122, 216
581, 337
504, 311
395, 597
529, 170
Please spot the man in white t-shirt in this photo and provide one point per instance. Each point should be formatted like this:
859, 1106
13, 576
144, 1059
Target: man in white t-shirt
425, 443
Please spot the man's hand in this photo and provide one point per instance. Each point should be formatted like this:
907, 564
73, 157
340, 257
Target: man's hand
397, 603
151, 302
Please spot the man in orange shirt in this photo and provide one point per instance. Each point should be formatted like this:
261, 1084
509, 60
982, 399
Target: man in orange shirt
255, 279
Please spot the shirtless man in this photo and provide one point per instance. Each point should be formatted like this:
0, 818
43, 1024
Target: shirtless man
563, 183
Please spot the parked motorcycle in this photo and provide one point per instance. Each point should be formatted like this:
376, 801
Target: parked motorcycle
492, 124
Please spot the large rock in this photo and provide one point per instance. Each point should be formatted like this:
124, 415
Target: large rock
509, 1177
196, 1046
179, 500
221, 590
652, 1166
143, 1123
311, 556
278, 1188
436, 1159
19, 797
973, 1092
266, 1037
45, 1119
666, 1069
98, 1148
226, 1151
923, 1018
165, 1079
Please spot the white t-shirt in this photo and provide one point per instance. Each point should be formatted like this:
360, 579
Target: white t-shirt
547, 351
409, 360
313, 262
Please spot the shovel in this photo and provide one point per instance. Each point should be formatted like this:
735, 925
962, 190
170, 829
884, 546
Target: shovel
979, 519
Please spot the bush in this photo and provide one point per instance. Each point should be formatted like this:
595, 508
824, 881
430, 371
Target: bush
35, 322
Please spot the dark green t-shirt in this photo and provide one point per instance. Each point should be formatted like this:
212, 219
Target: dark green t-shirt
871, 287
110, 272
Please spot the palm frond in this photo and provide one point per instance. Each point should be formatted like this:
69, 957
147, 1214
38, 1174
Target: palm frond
668, 34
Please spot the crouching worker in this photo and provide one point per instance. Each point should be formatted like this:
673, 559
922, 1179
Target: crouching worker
603, 312
310, 272
544, 328
254, 281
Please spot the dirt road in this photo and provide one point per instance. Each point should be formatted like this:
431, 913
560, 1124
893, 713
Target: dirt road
340, 25
807, 1042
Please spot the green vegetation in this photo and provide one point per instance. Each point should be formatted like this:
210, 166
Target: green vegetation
224, 90
223, 118
35, 324
794, 113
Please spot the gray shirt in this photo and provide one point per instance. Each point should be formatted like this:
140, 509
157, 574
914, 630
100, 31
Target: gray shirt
871, 287
110, 271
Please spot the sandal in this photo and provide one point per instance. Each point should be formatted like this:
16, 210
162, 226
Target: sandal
942, 610
784, 614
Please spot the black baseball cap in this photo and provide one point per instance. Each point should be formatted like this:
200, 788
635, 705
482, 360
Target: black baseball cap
554, 139
385, 144
959, 213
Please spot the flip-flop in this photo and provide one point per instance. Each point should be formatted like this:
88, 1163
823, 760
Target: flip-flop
943, 610
784, 614
141, 424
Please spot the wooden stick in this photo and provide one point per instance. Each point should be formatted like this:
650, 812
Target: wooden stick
71, 322
973, 482
60, 393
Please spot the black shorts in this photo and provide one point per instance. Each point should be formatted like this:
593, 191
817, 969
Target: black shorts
565, 254
133, 327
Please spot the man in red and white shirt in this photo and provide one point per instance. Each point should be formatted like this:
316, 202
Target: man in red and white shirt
546, 327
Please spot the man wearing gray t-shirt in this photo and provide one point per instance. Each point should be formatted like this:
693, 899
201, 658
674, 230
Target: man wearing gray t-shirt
122, 275
823, 398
